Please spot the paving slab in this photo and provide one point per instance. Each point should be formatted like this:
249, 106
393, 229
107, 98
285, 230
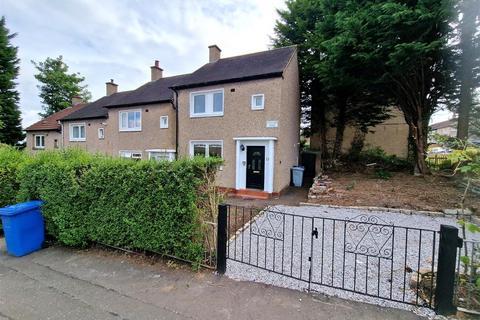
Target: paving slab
64, 283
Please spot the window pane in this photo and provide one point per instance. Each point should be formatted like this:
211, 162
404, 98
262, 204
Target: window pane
199, 150
76, 132
199, 103
123, 116
138, 117
82, 131
131, 120
215, 150
258, 101
218, 102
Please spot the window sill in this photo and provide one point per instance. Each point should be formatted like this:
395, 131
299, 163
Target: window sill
257, 109
130, 130
78, 140
206, 115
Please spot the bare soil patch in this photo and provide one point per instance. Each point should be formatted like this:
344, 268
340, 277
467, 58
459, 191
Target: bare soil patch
402, 190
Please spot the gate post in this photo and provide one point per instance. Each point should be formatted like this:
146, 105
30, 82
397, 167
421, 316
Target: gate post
222, 238
447, 255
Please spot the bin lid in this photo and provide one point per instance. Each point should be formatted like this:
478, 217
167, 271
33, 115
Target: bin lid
20, 207
298, 168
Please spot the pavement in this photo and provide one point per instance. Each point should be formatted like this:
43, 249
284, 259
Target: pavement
65, 283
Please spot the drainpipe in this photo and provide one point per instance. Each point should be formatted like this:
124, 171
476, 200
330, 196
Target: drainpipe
175, 107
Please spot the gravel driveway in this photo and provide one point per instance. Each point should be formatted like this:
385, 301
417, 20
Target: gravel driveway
362, 255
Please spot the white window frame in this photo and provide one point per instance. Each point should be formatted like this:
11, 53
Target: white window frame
163, 126
207, 143
42, 137
132, 152
80, 124
252, 102
101, 133
120, 128
208, 103
169, 152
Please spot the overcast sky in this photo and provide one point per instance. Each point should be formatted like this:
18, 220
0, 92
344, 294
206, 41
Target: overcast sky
120, 39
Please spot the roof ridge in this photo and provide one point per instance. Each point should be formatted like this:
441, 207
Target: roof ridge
252, 53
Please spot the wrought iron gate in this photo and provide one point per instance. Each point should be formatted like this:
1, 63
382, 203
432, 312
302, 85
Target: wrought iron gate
361, 254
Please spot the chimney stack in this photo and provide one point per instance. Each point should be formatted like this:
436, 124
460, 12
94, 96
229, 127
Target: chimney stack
213, 53
112, 87
156, 71
76, 100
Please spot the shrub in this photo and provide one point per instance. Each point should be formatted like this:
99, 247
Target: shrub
143, 205
383, 160
10, 160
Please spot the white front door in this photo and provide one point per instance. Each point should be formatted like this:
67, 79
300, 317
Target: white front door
242, 169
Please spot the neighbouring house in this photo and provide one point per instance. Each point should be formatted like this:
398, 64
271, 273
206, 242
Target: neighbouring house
446, 128
47, 133
390, 135
245, 109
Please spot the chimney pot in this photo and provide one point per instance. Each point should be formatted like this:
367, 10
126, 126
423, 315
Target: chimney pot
76, 100
155, 71
112, 87
213, 53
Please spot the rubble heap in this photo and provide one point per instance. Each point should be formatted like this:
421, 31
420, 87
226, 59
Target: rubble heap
322, 185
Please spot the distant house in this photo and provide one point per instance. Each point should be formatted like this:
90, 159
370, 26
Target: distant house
446, 128
47, 133
244, 109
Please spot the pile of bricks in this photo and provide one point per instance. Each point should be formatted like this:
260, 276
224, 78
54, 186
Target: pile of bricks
322, 186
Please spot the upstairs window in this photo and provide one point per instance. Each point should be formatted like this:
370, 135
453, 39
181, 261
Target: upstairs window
206, 103
164, 122
39, 142
77, 132
258, 102
130, 120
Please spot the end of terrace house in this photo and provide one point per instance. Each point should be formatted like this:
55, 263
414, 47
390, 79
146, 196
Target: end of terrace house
244, 109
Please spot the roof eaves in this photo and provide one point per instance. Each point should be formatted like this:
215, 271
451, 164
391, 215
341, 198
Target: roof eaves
137, 103
84, 118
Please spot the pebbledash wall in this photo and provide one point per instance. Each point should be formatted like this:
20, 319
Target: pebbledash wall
53, 140
281, 104
150, 137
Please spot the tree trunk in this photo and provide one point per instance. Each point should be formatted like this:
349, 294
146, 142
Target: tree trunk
357, 144
419, 139
340, 125
467, 28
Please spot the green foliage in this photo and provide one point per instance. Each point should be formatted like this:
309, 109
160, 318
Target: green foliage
358, 57
383, 160
143, 205
58, 87
10, 160
383, 174
10, 120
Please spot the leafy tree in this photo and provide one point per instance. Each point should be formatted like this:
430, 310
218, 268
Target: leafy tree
10, 120
58, 87
332, 90
403, 45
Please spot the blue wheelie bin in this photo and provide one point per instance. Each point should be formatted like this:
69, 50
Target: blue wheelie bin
23, 227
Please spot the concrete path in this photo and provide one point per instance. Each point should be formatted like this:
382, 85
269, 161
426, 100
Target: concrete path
61, 283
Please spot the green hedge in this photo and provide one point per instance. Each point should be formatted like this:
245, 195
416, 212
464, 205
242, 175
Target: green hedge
143, 205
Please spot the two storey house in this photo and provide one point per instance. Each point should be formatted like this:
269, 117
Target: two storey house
244, 109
